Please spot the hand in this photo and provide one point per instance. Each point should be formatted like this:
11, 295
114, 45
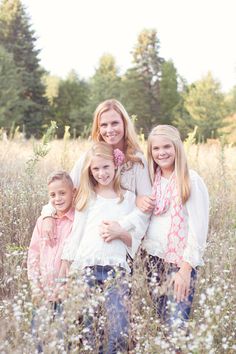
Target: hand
37, 296
181, 282
145, 203
110, 230
49, 231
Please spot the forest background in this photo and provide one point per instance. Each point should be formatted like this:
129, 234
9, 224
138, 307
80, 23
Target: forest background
152, 90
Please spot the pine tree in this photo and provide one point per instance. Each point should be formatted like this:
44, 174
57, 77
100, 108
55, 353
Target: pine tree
17, 37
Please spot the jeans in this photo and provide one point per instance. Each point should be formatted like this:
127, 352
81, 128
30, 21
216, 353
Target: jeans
172, 313
114, 285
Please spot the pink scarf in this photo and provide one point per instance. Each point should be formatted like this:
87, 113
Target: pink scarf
177, 235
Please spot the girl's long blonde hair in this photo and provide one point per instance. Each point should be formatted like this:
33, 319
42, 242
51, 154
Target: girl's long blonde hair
87, 188
181, 165
130, 136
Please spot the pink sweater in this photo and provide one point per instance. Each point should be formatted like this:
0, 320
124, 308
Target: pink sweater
43, 261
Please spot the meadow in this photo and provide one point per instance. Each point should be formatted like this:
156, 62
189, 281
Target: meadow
212, 328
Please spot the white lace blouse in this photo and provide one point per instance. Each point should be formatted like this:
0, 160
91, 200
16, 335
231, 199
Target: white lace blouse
87, 248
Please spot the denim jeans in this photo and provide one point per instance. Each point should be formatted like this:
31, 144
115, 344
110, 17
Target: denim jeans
114, 285
172, 313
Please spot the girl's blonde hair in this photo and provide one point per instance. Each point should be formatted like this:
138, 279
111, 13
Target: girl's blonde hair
181, 165
87, 188
130, 136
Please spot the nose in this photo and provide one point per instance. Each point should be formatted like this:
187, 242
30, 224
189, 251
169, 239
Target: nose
100, 173
109, 129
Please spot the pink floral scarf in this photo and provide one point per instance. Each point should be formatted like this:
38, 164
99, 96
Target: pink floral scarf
169, 198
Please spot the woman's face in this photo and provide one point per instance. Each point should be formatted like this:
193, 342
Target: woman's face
111, 128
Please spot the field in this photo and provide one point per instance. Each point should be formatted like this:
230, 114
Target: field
212, 328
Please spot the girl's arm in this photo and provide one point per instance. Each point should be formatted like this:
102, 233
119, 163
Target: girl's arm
111, 230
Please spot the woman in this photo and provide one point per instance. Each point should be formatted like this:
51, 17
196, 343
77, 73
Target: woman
112, 124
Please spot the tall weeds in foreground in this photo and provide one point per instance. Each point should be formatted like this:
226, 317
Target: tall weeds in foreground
212, 327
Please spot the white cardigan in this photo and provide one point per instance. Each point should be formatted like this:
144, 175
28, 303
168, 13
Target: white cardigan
196, 210
85, 247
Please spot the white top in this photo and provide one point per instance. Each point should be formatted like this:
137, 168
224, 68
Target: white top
87, 248
135, 179
196, 210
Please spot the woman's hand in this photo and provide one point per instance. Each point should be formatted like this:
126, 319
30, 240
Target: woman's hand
49, 230
145, 203
111, 230
181, 282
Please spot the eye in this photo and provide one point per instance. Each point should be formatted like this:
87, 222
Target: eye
103, 125
52, 195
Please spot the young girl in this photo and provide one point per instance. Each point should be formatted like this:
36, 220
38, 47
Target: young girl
176, 237
97, 251
112, 124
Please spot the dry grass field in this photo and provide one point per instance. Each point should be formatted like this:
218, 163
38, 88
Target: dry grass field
212, 328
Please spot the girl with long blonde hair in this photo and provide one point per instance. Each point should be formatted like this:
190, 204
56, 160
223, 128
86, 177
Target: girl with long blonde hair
175, 241
102, 205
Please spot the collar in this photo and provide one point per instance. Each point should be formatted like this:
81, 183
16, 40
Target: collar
69, 215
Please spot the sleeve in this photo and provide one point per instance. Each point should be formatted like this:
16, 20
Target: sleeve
72, 242
33, 259
142, 178
198, 219
76, 171
136, 223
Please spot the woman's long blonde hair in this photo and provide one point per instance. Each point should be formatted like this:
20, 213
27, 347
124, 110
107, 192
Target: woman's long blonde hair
181, 165
130, 136
87, 188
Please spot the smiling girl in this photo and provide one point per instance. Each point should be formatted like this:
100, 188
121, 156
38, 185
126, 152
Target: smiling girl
176, 237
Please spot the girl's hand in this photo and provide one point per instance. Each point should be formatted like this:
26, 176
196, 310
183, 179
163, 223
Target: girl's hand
49, 230
181, 282
145, 203
111, 230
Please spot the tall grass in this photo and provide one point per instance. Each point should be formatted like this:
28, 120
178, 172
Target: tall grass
212, 328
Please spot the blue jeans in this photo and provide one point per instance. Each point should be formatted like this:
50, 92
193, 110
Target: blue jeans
172, 313
115, 288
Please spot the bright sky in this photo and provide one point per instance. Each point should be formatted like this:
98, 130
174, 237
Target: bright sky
198, 35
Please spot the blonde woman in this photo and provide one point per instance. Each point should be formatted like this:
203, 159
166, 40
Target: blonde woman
98, 254
176, 237
112, 124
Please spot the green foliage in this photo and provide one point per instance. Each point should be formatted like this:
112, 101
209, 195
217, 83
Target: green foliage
41, 149
206, 106
142, 82
70, 105
169, 95
10, 88
105, 83
18, 38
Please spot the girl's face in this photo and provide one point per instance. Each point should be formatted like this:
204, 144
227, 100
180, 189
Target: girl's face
61, 195
103, 171
163, 153
112, 130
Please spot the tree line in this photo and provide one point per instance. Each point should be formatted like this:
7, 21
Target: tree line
152, 90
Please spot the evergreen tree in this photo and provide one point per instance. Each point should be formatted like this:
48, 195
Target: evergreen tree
105, 83
169, 95
145, 75
70, 106
10, 88
205, 103
17, 37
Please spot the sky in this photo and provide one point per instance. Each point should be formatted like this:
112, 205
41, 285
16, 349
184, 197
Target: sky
197, 35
